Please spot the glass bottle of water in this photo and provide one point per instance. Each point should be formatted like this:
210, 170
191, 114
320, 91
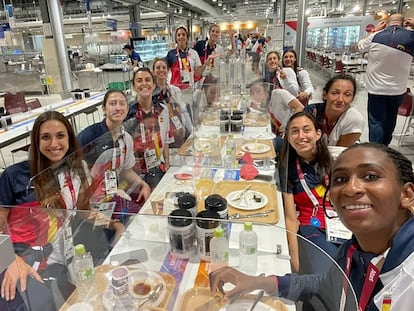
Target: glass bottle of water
248, 249
82, 265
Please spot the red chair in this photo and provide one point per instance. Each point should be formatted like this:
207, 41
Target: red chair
406, 110
339, 66
14, 102
33, 103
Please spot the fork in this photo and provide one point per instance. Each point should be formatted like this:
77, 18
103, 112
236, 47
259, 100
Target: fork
242, 193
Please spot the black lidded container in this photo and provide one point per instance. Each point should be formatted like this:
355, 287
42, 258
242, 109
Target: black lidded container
181, 233
206, 223
188, 202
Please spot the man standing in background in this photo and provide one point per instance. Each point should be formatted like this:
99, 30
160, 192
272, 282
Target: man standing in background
136, 61
390, 52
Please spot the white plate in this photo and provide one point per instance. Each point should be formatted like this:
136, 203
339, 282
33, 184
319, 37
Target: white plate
255, 148
248, 121
266, 135
202, 146
149, 278
244, 304
247, 202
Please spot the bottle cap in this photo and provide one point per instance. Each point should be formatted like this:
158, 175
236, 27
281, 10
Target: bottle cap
248, 226
80, 249
218, 232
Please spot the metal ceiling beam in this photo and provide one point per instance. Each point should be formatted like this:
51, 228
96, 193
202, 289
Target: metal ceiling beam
202, 5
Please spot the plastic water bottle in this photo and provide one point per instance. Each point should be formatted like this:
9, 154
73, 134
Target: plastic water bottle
248, 249
219, 250
82, 265
230, 154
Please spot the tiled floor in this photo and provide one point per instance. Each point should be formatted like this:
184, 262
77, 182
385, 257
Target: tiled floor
360, 103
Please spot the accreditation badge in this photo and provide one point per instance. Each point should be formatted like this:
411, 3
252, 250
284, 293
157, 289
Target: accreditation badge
336, 232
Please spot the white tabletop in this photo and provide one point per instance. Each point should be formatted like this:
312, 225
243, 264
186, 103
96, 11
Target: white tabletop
141, 232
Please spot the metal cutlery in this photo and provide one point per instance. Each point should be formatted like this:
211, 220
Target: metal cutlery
241, 194
253, 215
257, 299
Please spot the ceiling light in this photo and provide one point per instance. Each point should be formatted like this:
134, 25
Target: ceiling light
168, 4
180, 11
155, 1
189, 13
219, 3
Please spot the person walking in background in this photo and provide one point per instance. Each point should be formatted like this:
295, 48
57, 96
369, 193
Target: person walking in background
289, 60
136, 60
390, 52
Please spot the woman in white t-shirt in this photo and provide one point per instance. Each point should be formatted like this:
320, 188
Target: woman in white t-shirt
342, 123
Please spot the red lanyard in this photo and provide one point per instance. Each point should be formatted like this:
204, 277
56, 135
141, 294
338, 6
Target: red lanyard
206, 53
276, 82
187, 58
308, 192
68, 180
327, 129
371, 278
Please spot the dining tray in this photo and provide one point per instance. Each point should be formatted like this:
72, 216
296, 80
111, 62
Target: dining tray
214, 149
101, 283
255, 120
258, 156
200, 299
225, 187
203, 188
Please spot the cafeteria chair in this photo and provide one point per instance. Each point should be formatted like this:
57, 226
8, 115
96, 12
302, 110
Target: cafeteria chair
16, 102
406, 110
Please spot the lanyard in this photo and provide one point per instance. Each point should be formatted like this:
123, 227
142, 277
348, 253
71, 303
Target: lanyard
371, 278
187, 65
206, 53
308, 192
122, 151
276, 82
68, 180
325, 125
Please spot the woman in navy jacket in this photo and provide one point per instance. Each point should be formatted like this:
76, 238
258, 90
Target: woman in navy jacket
372, 189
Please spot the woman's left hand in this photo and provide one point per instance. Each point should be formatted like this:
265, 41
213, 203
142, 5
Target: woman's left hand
302, 95
144, 192
282, 73
18, 269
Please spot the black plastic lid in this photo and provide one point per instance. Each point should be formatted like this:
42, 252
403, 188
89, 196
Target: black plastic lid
215, 202
236, 117
186, 201
176, 218
206, 219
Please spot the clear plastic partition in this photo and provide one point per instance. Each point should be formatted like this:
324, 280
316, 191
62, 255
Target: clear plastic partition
159, 262
228, 120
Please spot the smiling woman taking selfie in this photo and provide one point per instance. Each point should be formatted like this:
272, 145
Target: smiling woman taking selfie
372, 191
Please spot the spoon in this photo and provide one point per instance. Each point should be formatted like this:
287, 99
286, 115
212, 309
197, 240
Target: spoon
154, 294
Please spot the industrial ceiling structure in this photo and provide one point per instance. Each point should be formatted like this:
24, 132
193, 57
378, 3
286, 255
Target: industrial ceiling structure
154, 12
